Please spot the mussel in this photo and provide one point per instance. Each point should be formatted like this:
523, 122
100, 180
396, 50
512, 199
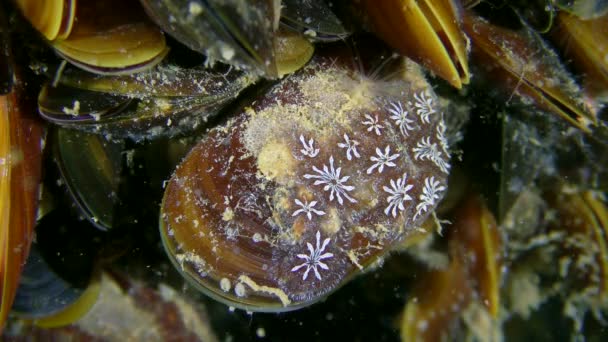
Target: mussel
473, 277
509, 56
20, 159
167, 101
433, 30
100, 36
309, 185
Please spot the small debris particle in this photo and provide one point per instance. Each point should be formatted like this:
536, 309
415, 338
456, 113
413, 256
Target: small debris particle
225, 284
239, 290
195, 8
228, 214
423, 325
74, 111
227, 52
310, 33
257, 237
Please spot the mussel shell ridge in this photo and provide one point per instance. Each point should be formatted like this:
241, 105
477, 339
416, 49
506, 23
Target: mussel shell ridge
301, 191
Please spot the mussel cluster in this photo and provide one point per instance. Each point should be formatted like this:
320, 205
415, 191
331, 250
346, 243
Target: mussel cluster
289, 148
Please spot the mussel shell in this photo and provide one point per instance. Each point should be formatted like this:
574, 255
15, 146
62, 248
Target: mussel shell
112, 36
442, 296
90, 167
67, 105
153, 118
106, 37
437, 301
238, 33
58, 283
523, 63
127, 309
428, 31
583, 252
253, 204
118, 115
118, 68
20, 160
53, 18
315, 19
586, 42
476, 240
292, 52
167, 80
41, 291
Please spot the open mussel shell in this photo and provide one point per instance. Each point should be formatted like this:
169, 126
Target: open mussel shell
298, 193
239, 33
427, 31
90, 167
513, 59
20, 159
106, 37
586, 41
314, 19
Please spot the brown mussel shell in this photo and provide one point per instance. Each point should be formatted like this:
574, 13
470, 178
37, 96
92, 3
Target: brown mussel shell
471, 281
20, 160
428, 31
314, 182
586, 42
104, 37
522, 63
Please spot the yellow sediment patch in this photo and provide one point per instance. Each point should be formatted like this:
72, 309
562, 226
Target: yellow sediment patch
228, 214
276, 162
331, 223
